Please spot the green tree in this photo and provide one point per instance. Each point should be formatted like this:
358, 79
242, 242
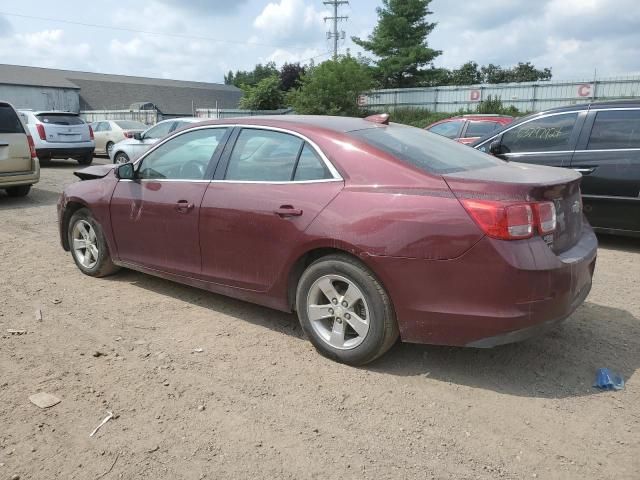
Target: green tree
332, 88
523, 72
266, 95
467, 74
290, 74
251, 77
399, 43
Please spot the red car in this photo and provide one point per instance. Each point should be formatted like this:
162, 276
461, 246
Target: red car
368, 230
469, 128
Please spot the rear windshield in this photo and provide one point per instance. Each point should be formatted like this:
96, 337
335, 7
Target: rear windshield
9, 121
424, 150
130, 124
60, 119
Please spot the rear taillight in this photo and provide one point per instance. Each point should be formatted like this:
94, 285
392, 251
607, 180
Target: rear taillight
512, 221
32, 146
91, 133
41, 133
506, 221
545, 213
128, 134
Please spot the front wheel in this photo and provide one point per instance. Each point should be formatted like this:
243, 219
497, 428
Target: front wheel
88, 245
345, 311
121, 157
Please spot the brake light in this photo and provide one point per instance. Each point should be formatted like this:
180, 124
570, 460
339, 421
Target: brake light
501, 220
545, 217
32, 146
91, 133
41, 133
128, 134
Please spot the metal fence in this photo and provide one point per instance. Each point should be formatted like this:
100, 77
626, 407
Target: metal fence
236, 112
148, 117
528, 96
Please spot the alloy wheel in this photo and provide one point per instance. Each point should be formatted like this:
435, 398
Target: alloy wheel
85, 244
338, 312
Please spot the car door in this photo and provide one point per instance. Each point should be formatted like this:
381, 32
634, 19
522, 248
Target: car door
151, 136
100, 135
545, 140
155, 217
269, 187
608, 157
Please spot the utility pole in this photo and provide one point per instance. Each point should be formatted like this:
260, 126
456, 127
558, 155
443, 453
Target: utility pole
334, 34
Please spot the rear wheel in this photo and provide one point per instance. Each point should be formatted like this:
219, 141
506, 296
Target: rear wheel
88, 245
121, 157
86, 159
109, 148
345, 311
20, 191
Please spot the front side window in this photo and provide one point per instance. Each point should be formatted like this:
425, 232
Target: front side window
447, 129
615, 129
547, 134
263, 155
159, 131
184, 157
478, 128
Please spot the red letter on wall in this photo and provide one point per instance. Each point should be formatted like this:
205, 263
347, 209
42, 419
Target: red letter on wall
584, 90
475, 95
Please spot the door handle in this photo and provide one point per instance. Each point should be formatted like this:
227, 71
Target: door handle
584, 170
183, 206
287, 211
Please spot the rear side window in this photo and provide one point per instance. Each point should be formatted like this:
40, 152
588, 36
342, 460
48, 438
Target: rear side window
424, 151
447, 129
60, 119
9, 121
547, 134
480, 128
310, 166
615, 129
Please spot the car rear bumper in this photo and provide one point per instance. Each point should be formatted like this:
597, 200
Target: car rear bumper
16, 179
66, 150
497, 292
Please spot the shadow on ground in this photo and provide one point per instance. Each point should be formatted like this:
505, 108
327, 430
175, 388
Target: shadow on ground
615, 242
36, 198
560, 364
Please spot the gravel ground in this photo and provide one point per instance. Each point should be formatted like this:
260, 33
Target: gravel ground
259, 402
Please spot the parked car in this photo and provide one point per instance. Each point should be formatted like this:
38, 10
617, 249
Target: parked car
348, 222
599, 140
109, 132
469, 128
60, 135
131, 148
19, 166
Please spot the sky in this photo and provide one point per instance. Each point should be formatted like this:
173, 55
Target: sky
201, 40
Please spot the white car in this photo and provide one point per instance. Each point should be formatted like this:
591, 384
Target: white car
131, 148
109, 132
60, 135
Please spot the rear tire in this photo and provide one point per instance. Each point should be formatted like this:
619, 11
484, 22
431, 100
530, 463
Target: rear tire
121, 157
86, 159
20, 191
108, 148
352, 318
88, 245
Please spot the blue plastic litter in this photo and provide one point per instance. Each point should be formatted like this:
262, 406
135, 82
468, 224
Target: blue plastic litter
607, 380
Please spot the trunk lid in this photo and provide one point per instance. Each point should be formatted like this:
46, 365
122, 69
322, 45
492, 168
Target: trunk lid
528, 183
64, 127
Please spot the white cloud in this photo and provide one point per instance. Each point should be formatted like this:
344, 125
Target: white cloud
292, 20
46, 48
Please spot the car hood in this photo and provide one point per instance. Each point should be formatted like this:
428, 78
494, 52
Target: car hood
129, 141
95, 171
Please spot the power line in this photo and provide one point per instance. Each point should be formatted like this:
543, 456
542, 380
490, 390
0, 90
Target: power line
148, 32
334, 34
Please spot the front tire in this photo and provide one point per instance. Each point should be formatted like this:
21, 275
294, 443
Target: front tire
121, 157
88, 245
345, 311
20, 191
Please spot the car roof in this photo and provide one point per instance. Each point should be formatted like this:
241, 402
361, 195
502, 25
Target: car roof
50, 112
325, 122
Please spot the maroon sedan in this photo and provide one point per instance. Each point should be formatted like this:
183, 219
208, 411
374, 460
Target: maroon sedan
368, 230
469, 128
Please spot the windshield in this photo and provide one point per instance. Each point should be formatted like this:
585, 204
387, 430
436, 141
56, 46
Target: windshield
130, 125
424, 150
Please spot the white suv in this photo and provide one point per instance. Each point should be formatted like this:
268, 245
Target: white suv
19, 166
60, 135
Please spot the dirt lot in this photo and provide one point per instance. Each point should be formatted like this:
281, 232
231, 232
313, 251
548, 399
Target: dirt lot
259, 402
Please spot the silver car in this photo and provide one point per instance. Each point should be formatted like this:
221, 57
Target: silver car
131, 148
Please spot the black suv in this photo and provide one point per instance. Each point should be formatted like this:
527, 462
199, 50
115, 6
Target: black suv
599, 140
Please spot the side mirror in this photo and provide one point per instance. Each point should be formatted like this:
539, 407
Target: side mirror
125, 171
495, 148
137, 136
